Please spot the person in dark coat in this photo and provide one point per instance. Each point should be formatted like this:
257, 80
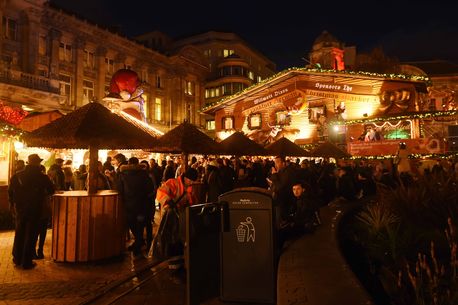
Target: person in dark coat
137, 194
27, 193
57, 175
213, 183
282, 179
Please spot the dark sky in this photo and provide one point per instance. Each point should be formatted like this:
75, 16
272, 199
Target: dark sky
284, 30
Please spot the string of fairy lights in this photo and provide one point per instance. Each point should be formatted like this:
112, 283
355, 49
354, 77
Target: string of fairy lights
393, 76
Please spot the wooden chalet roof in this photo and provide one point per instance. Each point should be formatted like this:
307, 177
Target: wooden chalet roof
186, 138
92, 124
284, 147
240, 145
329, 150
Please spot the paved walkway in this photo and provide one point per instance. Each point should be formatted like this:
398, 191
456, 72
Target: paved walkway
58, 283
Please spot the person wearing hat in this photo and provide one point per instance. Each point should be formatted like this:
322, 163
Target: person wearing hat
178, 193
27, 193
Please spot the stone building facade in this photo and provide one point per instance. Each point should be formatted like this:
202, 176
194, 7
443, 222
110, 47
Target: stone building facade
51, 60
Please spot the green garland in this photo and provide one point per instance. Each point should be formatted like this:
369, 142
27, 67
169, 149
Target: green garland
419, 115
425, 79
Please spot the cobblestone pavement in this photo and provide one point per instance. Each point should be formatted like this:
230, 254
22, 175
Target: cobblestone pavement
58, 283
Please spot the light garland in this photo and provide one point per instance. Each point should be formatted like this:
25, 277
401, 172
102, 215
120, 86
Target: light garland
394, 76
420, 115
9, 131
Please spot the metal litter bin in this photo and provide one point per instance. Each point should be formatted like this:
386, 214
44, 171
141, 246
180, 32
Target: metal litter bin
248, 247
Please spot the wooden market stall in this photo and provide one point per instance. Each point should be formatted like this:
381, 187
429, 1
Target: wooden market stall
89, 225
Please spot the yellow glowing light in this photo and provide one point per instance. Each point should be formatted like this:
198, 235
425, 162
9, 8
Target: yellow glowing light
222, 135
18, 145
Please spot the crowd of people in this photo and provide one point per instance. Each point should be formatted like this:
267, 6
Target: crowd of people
299, 188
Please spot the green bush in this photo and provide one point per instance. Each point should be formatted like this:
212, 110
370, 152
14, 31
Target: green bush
409, 238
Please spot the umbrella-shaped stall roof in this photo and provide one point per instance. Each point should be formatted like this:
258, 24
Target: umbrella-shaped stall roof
240, 145
188, 139
92, 127
92, 124
329, 150
284, 147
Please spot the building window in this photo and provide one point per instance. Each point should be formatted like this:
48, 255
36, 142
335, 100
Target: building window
227, 89
208, 53
109, 64
251, 75
189, 88
158, 81
210, 124
227, 52
282, 118
42, 46
9, 28
228, 122
236, 87
65, 86
158, 109
89, 59
65, 52
43, 72
259, 79
207, 93
144, 76
254, 121
88, 91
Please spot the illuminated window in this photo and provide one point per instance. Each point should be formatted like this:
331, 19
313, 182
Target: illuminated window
208, 53
228, 123
227, 52
158, 109
251, 75
9, 28
88, 91
65, 52
207, 93
89, 59
65, 86
109, 65
42, 45
259, 79
189, 88
210, 124
254, 121
282, 118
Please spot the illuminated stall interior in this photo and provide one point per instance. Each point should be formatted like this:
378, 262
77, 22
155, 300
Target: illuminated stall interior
359, 111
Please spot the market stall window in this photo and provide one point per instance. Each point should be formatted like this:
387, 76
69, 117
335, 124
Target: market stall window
228, 122
282, 118
254, 121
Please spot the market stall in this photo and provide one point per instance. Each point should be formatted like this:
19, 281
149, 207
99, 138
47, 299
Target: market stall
89, 225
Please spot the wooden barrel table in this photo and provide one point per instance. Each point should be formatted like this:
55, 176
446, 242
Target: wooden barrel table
87, 227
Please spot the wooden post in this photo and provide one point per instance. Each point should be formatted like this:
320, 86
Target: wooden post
93, 170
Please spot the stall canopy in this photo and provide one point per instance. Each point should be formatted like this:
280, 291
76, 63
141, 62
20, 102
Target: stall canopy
92, 124
92, 127
329, 150
240, 145
186, 138
284, 147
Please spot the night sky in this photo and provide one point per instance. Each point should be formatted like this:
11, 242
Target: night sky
285, 31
